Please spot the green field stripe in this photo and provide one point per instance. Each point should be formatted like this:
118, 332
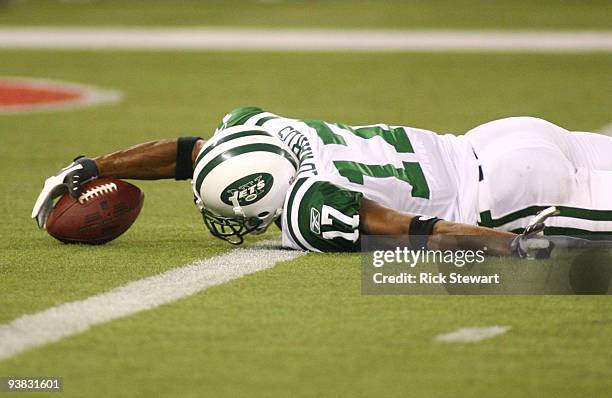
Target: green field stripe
397, 14
230, 153
564, 211
229, 138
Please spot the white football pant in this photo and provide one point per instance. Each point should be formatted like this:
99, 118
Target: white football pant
529, 164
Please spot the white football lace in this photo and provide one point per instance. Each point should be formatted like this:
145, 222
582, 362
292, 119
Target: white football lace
97, 191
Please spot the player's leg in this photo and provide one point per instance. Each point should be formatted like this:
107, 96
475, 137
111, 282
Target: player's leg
592, 157
530, 164
520, 178
593, 150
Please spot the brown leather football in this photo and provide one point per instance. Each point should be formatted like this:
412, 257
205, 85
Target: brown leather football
106, 208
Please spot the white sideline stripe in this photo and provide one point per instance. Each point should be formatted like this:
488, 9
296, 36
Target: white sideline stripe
232, 39
472, 335
75, 317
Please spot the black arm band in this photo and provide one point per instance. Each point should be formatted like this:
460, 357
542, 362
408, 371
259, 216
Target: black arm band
184, 161
420, 231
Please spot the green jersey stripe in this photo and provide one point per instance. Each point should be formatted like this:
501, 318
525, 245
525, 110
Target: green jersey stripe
564, 211
229, 138
289, 212
261, 121
395, 136
325, 132
239, 151
411, 174
566, 231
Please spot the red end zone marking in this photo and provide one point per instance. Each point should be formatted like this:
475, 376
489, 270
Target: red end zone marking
26, 95
15, 94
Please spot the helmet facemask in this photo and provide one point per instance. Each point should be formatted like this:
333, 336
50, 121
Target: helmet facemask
233, 229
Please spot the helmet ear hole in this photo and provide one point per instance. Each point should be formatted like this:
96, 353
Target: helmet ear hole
263, 214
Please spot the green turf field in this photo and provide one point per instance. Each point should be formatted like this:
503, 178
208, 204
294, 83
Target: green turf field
302, 328
389, 14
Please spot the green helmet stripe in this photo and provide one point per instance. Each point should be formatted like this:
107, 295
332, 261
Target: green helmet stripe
229, 138
230, 153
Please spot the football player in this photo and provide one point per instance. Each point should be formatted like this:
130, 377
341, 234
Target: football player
326, 184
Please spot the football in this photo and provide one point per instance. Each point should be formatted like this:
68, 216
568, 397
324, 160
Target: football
105, 209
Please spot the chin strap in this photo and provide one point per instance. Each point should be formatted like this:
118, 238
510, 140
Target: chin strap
237, 208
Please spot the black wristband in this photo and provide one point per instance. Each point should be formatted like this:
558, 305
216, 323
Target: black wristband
89, 165
184, 161
420, 231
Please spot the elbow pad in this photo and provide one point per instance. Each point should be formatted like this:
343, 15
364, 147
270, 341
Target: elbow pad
419, 231
184, 160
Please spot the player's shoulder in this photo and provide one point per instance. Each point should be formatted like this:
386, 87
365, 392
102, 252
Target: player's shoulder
320, 215
247, 115
239, 116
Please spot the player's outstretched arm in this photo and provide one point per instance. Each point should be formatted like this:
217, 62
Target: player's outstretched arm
379, 220
166, 158
151, 160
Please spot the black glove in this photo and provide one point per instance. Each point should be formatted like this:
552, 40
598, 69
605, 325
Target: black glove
80, 176
532, 244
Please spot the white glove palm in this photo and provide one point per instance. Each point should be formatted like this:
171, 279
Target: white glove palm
69, 179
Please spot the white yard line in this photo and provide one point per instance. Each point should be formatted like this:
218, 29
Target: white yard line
606, 130
75, 317
303, 39
472, 335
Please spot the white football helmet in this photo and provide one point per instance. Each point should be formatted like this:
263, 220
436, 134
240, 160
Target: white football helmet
240, 181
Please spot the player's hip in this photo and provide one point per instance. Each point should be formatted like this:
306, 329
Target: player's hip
519, 183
